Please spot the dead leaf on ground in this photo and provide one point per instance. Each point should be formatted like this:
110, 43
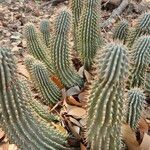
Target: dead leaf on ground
73, 130
129, 137
82, 146
77, 112
74, 121
88, 76
12, 147
73, 91
71, 101
2, 134
145, 145
143, 127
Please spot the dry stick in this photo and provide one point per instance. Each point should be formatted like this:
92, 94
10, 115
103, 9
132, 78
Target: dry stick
117, 12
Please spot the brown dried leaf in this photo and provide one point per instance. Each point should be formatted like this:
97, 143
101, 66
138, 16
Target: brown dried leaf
87, 75
12, 147
73, 130
71, 101
82, 146
143, 126
73, 91
129, 137
2, 134
77, 112
74, 121
145, 145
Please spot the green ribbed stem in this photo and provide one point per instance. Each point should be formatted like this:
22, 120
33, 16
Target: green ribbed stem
36, 47
76, 8
88, 32
37, 108
49, 91
22, 128
45, 30
61, 52
106, 99
142, 28
121, 30
147, 84
136, 100
140, 60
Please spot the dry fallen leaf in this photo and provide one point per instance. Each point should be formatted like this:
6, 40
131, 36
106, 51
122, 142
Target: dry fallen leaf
12, 147
87, 75
73, 91
2, 133
129, 137
77, 112
145, 145
82, 146
143, 127
71, 101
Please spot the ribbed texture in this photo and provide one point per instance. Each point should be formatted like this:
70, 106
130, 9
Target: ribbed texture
142, 28
136, 100
88, 32
76, 8
106, 99
61, 52
147, 84
36, 47
121, 31
36, 107
49, 91
45, 30
140, 59
21, 126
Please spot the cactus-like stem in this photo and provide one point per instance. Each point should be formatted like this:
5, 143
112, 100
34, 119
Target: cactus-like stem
45, 30
76, 8
37, 108
121, 30
88, 32
140, 59
61, 52
36, 47
142, 28
106, 99
29, 60
49, 91
136, 100
22, 127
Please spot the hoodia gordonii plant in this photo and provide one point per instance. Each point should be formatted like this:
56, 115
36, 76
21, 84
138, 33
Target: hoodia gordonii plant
88, 32
61, 52
21, 126
121, 31
142, 28
37, 108
140, 59
106, 99
36, 46
136, 100
45, 30
49, 91
76, 8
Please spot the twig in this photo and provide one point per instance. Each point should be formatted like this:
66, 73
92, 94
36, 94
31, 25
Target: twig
117, 12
